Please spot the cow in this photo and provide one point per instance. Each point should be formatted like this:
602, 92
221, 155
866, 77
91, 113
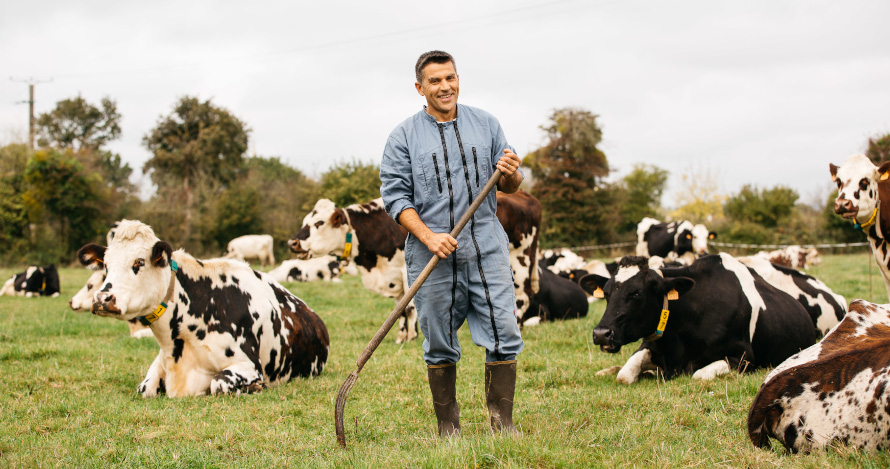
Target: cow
706, 319
83, 301
561, 261
222, 327
324, 268
680, 237
793, 257
836, 391
378, 247
34, 281
252, 247
861, 187
825, 307
558, 298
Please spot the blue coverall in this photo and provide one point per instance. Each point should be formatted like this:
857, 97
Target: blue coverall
437, 169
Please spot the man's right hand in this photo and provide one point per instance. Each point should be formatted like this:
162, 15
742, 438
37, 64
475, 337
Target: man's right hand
440, 244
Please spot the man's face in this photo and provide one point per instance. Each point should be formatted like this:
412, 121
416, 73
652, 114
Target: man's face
440, 87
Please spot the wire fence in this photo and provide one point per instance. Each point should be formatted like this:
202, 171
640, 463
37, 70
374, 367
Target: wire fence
618, 248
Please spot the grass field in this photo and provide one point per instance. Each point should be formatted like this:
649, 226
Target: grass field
68, 380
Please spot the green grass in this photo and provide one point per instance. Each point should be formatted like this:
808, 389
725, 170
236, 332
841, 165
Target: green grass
68, 380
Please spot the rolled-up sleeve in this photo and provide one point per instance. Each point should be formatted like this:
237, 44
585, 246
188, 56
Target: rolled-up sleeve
396, 178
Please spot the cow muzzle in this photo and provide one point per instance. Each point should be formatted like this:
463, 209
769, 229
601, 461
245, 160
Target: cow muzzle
105, 305
295, 247
604, 337
845, 208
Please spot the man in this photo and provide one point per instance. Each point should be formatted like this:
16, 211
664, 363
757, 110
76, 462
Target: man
434, 164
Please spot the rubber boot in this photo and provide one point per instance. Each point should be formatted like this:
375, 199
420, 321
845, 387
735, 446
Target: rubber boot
442, 380
500, 386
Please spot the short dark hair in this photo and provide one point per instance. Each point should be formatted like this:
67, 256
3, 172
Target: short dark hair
431, 57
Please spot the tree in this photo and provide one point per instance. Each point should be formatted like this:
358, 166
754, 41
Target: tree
351, 182
769, 208
699, 197
643, 187
568, 172
197, 140
77, 125
878, 149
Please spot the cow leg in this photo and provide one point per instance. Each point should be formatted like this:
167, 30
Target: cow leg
153, 384
612, 370
8, 287
407, 324
720, 367
639, 362
240, 377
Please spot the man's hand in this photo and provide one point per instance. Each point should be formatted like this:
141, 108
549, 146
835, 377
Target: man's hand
511, 178
440, 244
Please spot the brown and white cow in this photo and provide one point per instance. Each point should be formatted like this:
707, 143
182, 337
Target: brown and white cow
793, 257
861, 188
378, 247
222, 327
837, 390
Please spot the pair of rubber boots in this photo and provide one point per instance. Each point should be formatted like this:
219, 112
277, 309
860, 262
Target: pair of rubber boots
500, 386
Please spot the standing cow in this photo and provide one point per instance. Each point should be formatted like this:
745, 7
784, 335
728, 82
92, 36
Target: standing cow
252, 247
681, 237
838, 390
723, 315
861, 186
222, 327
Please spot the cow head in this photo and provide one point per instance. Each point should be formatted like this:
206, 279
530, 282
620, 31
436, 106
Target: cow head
635, 296
137, 272
83, 299
700, 238
323, 232
857, 184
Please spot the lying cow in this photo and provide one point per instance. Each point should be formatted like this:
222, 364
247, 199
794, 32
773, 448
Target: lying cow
680, 237
861, 187
835, 391
34, 281
222, 327
724, 317
324, 268
793, 257
825, 307
558, 298
252, 247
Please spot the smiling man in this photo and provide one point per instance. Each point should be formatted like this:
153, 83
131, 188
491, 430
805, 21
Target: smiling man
434, 164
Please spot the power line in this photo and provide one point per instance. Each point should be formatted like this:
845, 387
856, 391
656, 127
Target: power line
31, 82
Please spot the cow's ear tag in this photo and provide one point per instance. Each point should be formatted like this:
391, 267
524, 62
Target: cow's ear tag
598, 293
884, 176
673, 295
688, 236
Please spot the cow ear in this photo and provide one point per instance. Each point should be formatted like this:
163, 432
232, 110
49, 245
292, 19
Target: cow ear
590, 283
160, 253
338, 218
680, 284
712, 235
833, 169
884, 171
92, 256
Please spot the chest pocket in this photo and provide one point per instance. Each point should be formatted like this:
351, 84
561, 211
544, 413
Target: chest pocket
434, 179
479, 164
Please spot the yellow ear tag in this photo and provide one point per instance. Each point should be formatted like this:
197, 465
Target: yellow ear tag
689, 236
673, 295
598, 293
884, 176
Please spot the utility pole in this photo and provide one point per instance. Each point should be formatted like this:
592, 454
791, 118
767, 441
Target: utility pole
31, 82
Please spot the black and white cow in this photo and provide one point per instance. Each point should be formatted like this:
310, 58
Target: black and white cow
861, 188
825, 307
83, 301
836, 391
252, 247
324, 268
680, 237
378, 247
725, 318
226, 328
794, 257
558, 298
34, 281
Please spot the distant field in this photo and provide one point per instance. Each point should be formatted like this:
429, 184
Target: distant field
68, 380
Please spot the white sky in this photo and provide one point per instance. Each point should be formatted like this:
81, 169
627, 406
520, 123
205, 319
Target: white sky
765, 91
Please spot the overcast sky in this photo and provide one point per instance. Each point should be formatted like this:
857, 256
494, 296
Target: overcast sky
765, 92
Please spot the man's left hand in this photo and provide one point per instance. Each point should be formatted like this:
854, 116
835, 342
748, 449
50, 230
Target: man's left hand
509, 163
